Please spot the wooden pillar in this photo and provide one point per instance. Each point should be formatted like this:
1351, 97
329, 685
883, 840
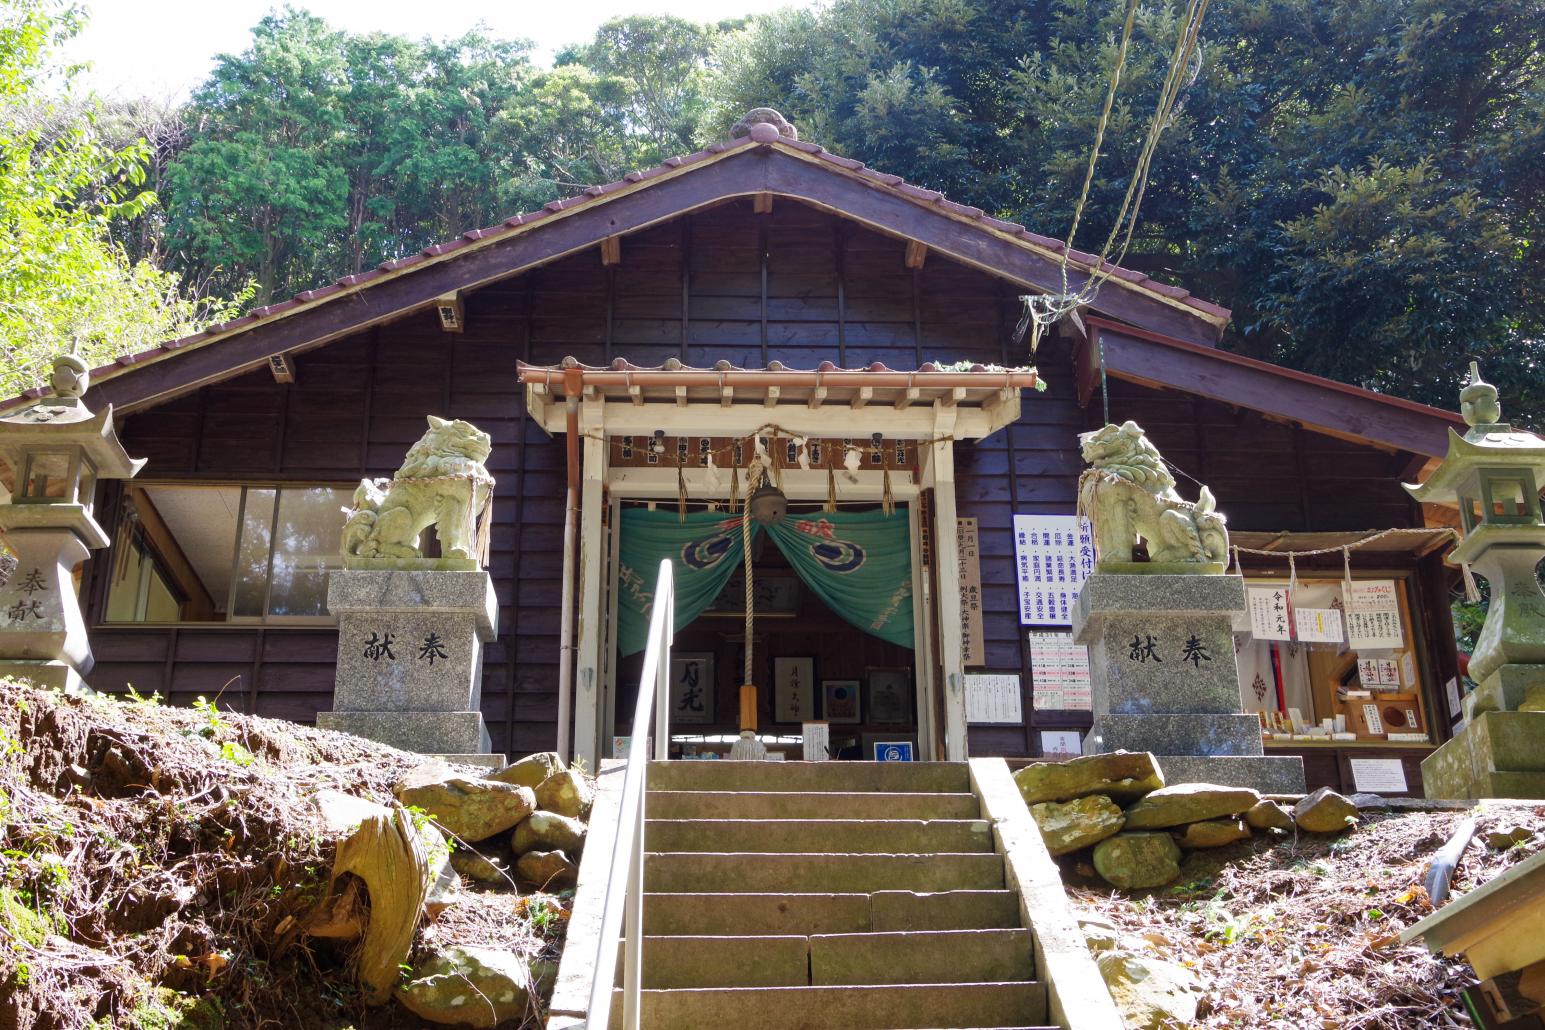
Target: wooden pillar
941, 472
592, 562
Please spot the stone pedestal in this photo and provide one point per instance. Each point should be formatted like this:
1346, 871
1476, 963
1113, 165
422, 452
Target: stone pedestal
410, 658
1164, 679
42, 634
1498, 753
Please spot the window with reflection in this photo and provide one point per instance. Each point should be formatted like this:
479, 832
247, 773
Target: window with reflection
225, 553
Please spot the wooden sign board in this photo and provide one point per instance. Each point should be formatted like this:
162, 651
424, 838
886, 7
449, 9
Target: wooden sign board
973, 644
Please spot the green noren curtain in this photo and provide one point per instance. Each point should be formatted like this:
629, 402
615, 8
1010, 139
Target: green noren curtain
858, 563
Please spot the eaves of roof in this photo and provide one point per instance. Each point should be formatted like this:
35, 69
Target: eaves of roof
762, 136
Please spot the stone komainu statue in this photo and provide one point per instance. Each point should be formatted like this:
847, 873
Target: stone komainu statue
442, 483
1129, 493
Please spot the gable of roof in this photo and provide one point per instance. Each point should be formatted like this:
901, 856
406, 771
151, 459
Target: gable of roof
762, 163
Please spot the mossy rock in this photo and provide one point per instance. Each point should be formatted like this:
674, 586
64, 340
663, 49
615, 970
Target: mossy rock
531, 770
1120, 775
1324, 811
1070, 825
1137, 861
1183, 803
548, 831
1214, 833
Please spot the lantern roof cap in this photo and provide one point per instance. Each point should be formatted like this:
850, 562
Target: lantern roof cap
1489, 443
60, 418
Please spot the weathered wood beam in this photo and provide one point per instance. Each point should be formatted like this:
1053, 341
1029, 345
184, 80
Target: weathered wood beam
1277, 393
917, 253
861, 396
817, 397
771, 400
904, 401
761, 203
611, 251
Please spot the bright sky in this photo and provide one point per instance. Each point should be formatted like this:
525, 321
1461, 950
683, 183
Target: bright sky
164, 48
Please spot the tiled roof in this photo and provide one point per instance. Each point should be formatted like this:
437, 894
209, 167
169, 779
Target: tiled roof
761, 135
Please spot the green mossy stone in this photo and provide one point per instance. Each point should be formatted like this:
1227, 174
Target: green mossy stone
565, 792
1136, 861
1268, 815
470, 809
1070, 825
1214, 833
547, 870
548, 831
464, 986
1121, 775
1183, 803
531, 770
1324, 811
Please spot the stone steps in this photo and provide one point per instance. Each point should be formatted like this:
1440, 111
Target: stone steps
814, 913
817, 896
724, 804
762, 873
851, 836
887, 1007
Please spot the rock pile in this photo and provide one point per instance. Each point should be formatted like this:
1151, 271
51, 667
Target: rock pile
521, 827
1136, 827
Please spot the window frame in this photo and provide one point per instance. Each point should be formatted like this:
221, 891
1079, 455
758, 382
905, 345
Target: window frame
264, 621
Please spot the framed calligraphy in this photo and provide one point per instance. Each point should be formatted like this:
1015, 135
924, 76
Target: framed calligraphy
692, 688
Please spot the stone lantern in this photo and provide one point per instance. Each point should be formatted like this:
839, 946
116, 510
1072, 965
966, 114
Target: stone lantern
57, 450
1494, 473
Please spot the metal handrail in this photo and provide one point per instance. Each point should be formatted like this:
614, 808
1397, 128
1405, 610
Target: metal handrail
624, 904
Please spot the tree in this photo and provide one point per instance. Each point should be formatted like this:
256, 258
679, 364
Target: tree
64, 283
1360, 181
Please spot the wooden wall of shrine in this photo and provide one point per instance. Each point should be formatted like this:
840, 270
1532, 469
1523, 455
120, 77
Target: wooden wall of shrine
798, 286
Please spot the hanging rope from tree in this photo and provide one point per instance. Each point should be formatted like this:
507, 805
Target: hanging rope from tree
1045, 309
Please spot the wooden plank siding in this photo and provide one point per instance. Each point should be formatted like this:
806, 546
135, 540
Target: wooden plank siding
797, 285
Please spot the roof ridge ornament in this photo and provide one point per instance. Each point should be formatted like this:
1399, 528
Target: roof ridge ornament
763, 116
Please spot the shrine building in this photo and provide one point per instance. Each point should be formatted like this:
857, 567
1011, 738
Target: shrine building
633, 347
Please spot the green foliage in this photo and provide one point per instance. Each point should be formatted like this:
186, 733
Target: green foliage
64, 283
318, 153
1359, 181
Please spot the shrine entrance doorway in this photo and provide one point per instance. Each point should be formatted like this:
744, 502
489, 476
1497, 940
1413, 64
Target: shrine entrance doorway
834, 627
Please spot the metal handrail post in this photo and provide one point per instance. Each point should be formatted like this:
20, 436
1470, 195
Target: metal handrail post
622, 914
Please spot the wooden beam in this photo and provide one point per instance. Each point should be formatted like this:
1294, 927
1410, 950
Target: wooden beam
756, 170
761, 203
917, 253
817, 397
861, 396
681, 396
726, 396
636, 393
1318, 404
611, 251
904, 401
771, 400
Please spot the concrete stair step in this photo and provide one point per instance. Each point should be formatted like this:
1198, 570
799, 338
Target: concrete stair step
891, 911
672, 963
802, 914
873, 836
732, 872
838, 777
889, 1007
726, 804
928, 956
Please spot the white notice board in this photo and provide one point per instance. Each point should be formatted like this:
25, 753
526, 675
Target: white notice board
993, 699
1373, 615
1379, 775
1059, 672
1053, 554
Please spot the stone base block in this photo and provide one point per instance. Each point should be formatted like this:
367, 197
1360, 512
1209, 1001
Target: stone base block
429, 733
1269, 774
1496, 755
58, 676
492, 762
1507, 689
1190, 734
